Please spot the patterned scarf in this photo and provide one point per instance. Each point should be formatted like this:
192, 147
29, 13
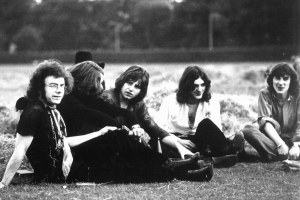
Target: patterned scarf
56, 139
58, 127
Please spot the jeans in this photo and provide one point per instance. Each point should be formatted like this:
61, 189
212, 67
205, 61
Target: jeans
265, 147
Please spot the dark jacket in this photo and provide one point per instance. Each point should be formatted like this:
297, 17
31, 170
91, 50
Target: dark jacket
141, 111
84, 114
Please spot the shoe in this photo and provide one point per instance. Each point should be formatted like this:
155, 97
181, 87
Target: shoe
204, 162
238, 142
225, 161
246, 156
178, 164
202, 174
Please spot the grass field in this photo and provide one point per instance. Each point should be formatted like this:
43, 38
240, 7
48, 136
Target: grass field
235, 84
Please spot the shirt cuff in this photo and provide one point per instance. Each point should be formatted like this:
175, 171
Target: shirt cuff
263, 120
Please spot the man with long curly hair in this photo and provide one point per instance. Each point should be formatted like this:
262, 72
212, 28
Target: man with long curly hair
41, 131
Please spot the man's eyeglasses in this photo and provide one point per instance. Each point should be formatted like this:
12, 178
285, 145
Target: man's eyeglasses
56, 86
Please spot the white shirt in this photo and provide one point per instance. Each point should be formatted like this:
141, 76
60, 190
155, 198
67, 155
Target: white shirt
173, 117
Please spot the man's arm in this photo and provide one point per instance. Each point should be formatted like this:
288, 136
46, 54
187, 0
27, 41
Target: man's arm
21, 146
148, 123
270, 125
174, 142
294, 152
296, 135
282, 148
77, 140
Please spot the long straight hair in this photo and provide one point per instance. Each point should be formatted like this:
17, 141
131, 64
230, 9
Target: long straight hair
134, 73
186, 84
87, 78
282, 69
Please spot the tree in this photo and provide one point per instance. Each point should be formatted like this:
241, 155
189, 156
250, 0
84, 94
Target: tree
75, 24
154, 18
13, 14
28, 38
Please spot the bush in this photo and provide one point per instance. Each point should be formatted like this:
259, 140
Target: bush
254, 76
28, 38
233, 108
156, 98
235, 115
230, 124
8, 121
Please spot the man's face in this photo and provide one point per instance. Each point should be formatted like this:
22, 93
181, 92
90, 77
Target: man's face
199, 88
281, 84
130, 90
54, 90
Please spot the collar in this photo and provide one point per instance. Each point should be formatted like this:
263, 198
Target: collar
290, 97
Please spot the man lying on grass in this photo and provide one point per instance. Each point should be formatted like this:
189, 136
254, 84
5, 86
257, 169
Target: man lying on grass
41, 131
41, 135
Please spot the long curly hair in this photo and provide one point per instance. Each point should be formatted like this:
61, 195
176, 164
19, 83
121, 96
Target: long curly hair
44, 69
133, 73
87, 78
282, 69
186, 83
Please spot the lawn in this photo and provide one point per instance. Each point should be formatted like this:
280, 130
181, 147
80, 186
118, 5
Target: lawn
235, 84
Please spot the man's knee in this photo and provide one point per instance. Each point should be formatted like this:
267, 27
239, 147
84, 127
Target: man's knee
250, 131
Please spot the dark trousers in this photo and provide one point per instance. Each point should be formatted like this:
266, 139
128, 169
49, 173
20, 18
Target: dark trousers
118, 157
210, 140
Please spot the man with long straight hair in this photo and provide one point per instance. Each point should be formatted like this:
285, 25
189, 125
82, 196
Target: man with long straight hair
278, 135
193, 116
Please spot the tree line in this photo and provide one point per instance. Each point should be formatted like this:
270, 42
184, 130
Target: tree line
146, 24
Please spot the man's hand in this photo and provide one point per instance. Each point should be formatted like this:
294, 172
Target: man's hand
106, 129
137, 131
2, 185
66, 165
183, 151
67, 159
294, 152
283, 149
188, 144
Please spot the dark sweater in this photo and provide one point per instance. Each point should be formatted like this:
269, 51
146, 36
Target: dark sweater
84, 114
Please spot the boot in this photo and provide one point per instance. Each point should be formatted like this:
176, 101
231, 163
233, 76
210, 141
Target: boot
177, 164
203, 174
